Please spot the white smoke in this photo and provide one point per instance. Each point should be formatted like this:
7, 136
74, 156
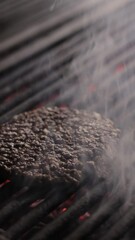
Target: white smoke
123, 171
101, 74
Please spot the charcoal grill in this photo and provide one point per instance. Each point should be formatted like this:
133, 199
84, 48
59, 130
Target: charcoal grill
75, 54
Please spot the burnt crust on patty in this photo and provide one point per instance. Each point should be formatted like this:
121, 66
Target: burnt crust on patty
54, 145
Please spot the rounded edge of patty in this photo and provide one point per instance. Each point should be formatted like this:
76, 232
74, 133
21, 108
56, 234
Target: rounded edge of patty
52, 146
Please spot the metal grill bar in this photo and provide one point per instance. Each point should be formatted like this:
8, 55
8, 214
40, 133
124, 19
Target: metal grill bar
114, 218
34, 216
121, 227
40, 61
38, 97
51, 23
68, 51
68, 43
26, 21
103, 84
103, 213
55, 36
9, 9
120, 13
56, 86
17, 204
78, 36
80, 207
106, 79
129, 235
12, 7
6, 192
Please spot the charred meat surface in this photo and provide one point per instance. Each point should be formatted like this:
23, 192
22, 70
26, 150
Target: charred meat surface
55, 145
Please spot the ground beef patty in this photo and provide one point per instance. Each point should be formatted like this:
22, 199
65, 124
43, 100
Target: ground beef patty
53, 145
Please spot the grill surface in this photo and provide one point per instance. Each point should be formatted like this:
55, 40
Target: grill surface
79, 54
85, 47
31, 213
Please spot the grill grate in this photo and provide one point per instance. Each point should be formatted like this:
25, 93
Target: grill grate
19, 205
81, 54
79, 49
23, 217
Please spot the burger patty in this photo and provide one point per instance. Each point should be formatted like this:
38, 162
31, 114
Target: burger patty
54, 145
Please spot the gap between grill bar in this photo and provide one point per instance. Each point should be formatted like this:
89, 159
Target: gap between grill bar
98, 13
120, 228
104, 78
129, 235
37, 73
118, 28
9, 11
103, 213
111, 221
34, 216
42, 35
39, 60
17, 204
43, 32
39, 85
120, 13
100, 53
52, 22
77, 209
43, 93
30, 21
68, 44
116, 77
11, 7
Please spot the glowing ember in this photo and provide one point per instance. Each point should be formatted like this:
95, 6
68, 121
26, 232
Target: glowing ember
92, 88
5, 183
36, 203
63, 207
120, 67
84, 216
64, 210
